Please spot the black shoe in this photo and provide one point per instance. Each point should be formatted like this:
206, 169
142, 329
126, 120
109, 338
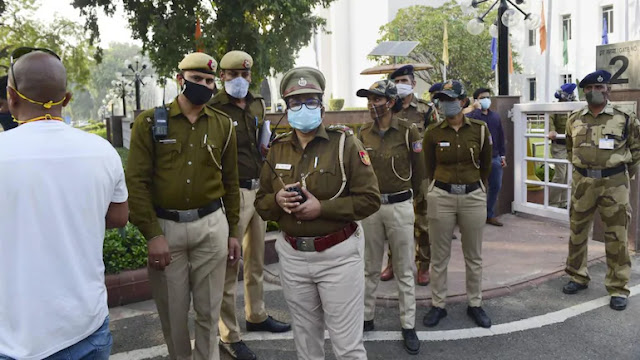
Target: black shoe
270, 325
573, 287
618, 303
411, 342
432, 318
238, 350
368, 325
479, 316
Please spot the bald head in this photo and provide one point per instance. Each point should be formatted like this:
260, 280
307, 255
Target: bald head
40, 77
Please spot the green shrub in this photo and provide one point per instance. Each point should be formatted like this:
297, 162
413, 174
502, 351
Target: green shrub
124, 253
540, 173
124, 155
336, 104
272, 226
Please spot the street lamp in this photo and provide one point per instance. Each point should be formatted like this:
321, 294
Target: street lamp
120, 90
506, 18
136, 75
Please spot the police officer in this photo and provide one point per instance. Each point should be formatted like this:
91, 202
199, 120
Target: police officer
421, 113
604, 148
247, 112
177, 186
395, 148
457, 154
317, 182
557, 125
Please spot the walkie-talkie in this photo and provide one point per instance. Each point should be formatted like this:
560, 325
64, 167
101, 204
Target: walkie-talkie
160, 128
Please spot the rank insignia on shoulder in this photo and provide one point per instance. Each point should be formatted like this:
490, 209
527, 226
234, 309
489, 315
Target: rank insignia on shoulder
364, 157
417, 146
340, 127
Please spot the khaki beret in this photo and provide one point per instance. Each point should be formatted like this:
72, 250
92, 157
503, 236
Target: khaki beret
198, 62
302, 80
236, 60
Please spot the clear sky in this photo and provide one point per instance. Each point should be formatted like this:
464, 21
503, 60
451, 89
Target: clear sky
112, 29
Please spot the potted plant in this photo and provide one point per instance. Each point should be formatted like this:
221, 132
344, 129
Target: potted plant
335, 104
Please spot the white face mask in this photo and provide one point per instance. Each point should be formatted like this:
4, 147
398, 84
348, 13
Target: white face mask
237, 87
404, 90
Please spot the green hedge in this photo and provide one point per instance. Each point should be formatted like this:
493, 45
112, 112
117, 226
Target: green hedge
124, 249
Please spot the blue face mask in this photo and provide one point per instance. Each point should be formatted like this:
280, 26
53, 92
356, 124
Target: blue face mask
485, 103
304, 119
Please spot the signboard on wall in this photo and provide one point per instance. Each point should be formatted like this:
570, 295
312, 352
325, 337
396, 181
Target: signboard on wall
622, 60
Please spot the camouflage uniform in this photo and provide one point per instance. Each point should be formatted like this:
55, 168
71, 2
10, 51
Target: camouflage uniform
597, 142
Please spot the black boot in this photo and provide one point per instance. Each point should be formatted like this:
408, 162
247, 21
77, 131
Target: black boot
411, 342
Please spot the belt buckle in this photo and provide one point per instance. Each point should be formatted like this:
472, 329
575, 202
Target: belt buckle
305, 244
255, 184
384, 198
458, 189
188, 215
596, 174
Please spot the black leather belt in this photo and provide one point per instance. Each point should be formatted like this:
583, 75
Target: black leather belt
603, 173
250, 184
560, 141
188, 215
457, 188
396, 197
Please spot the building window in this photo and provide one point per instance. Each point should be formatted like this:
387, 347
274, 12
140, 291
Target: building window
532, 89
607, 15
532, 37
566, 78
566, 26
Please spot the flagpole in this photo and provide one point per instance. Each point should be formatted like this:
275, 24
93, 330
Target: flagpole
547, 58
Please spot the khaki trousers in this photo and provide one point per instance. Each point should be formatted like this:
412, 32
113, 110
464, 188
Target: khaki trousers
199, 252
253, 228
557, 196
325, 290
469, 212
393, 223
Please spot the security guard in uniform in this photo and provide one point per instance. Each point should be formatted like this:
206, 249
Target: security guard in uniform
422, 114
557, 125
603, 144
179, 179
247, 112
395, 148
457, 154
317, 183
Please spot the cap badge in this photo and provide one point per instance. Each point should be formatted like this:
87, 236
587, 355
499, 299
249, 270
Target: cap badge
302, 82
448, 86
600, 79
246, 64
210, 64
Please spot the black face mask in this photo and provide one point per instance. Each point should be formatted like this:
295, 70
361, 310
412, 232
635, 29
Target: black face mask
197, 94
6, 120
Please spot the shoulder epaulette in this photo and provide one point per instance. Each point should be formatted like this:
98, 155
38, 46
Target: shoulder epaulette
340, 128
406, 123
220, 112
478, 122
624, 111
281, 136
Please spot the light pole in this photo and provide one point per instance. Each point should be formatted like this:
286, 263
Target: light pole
120, 89
136, 75
506, 18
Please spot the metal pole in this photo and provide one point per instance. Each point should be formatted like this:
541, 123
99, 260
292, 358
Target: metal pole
137, 92
124, 102
503, 52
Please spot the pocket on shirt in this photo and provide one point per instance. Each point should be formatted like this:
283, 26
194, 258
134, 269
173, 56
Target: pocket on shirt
167, 154
213, 156
325, 181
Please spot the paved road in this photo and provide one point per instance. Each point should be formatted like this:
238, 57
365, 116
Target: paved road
535, 323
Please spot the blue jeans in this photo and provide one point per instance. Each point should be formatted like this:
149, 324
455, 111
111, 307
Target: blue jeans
495, 183
96, 346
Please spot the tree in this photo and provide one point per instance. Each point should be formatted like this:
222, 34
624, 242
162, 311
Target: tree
272, 31
64, 37
469, 55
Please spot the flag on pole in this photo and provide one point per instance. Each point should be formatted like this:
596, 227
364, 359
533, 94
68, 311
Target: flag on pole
510, 60
494, 53
445, 46
565, 47
605, 32
198, 35
543, 31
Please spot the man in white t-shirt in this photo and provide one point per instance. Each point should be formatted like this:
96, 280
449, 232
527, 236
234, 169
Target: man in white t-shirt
61, 187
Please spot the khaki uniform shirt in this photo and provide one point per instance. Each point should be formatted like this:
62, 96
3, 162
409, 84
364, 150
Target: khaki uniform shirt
558, 123
248, 122
180, 173
319, 165
417, 112
604, 141
456, 157
396, 155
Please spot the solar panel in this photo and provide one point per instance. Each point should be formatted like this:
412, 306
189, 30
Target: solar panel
394, 48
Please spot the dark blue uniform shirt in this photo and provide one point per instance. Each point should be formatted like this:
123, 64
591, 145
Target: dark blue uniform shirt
495, 128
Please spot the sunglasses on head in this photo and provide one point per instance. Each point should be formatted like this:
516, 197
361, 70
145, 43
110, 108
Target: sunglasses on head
21, 51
